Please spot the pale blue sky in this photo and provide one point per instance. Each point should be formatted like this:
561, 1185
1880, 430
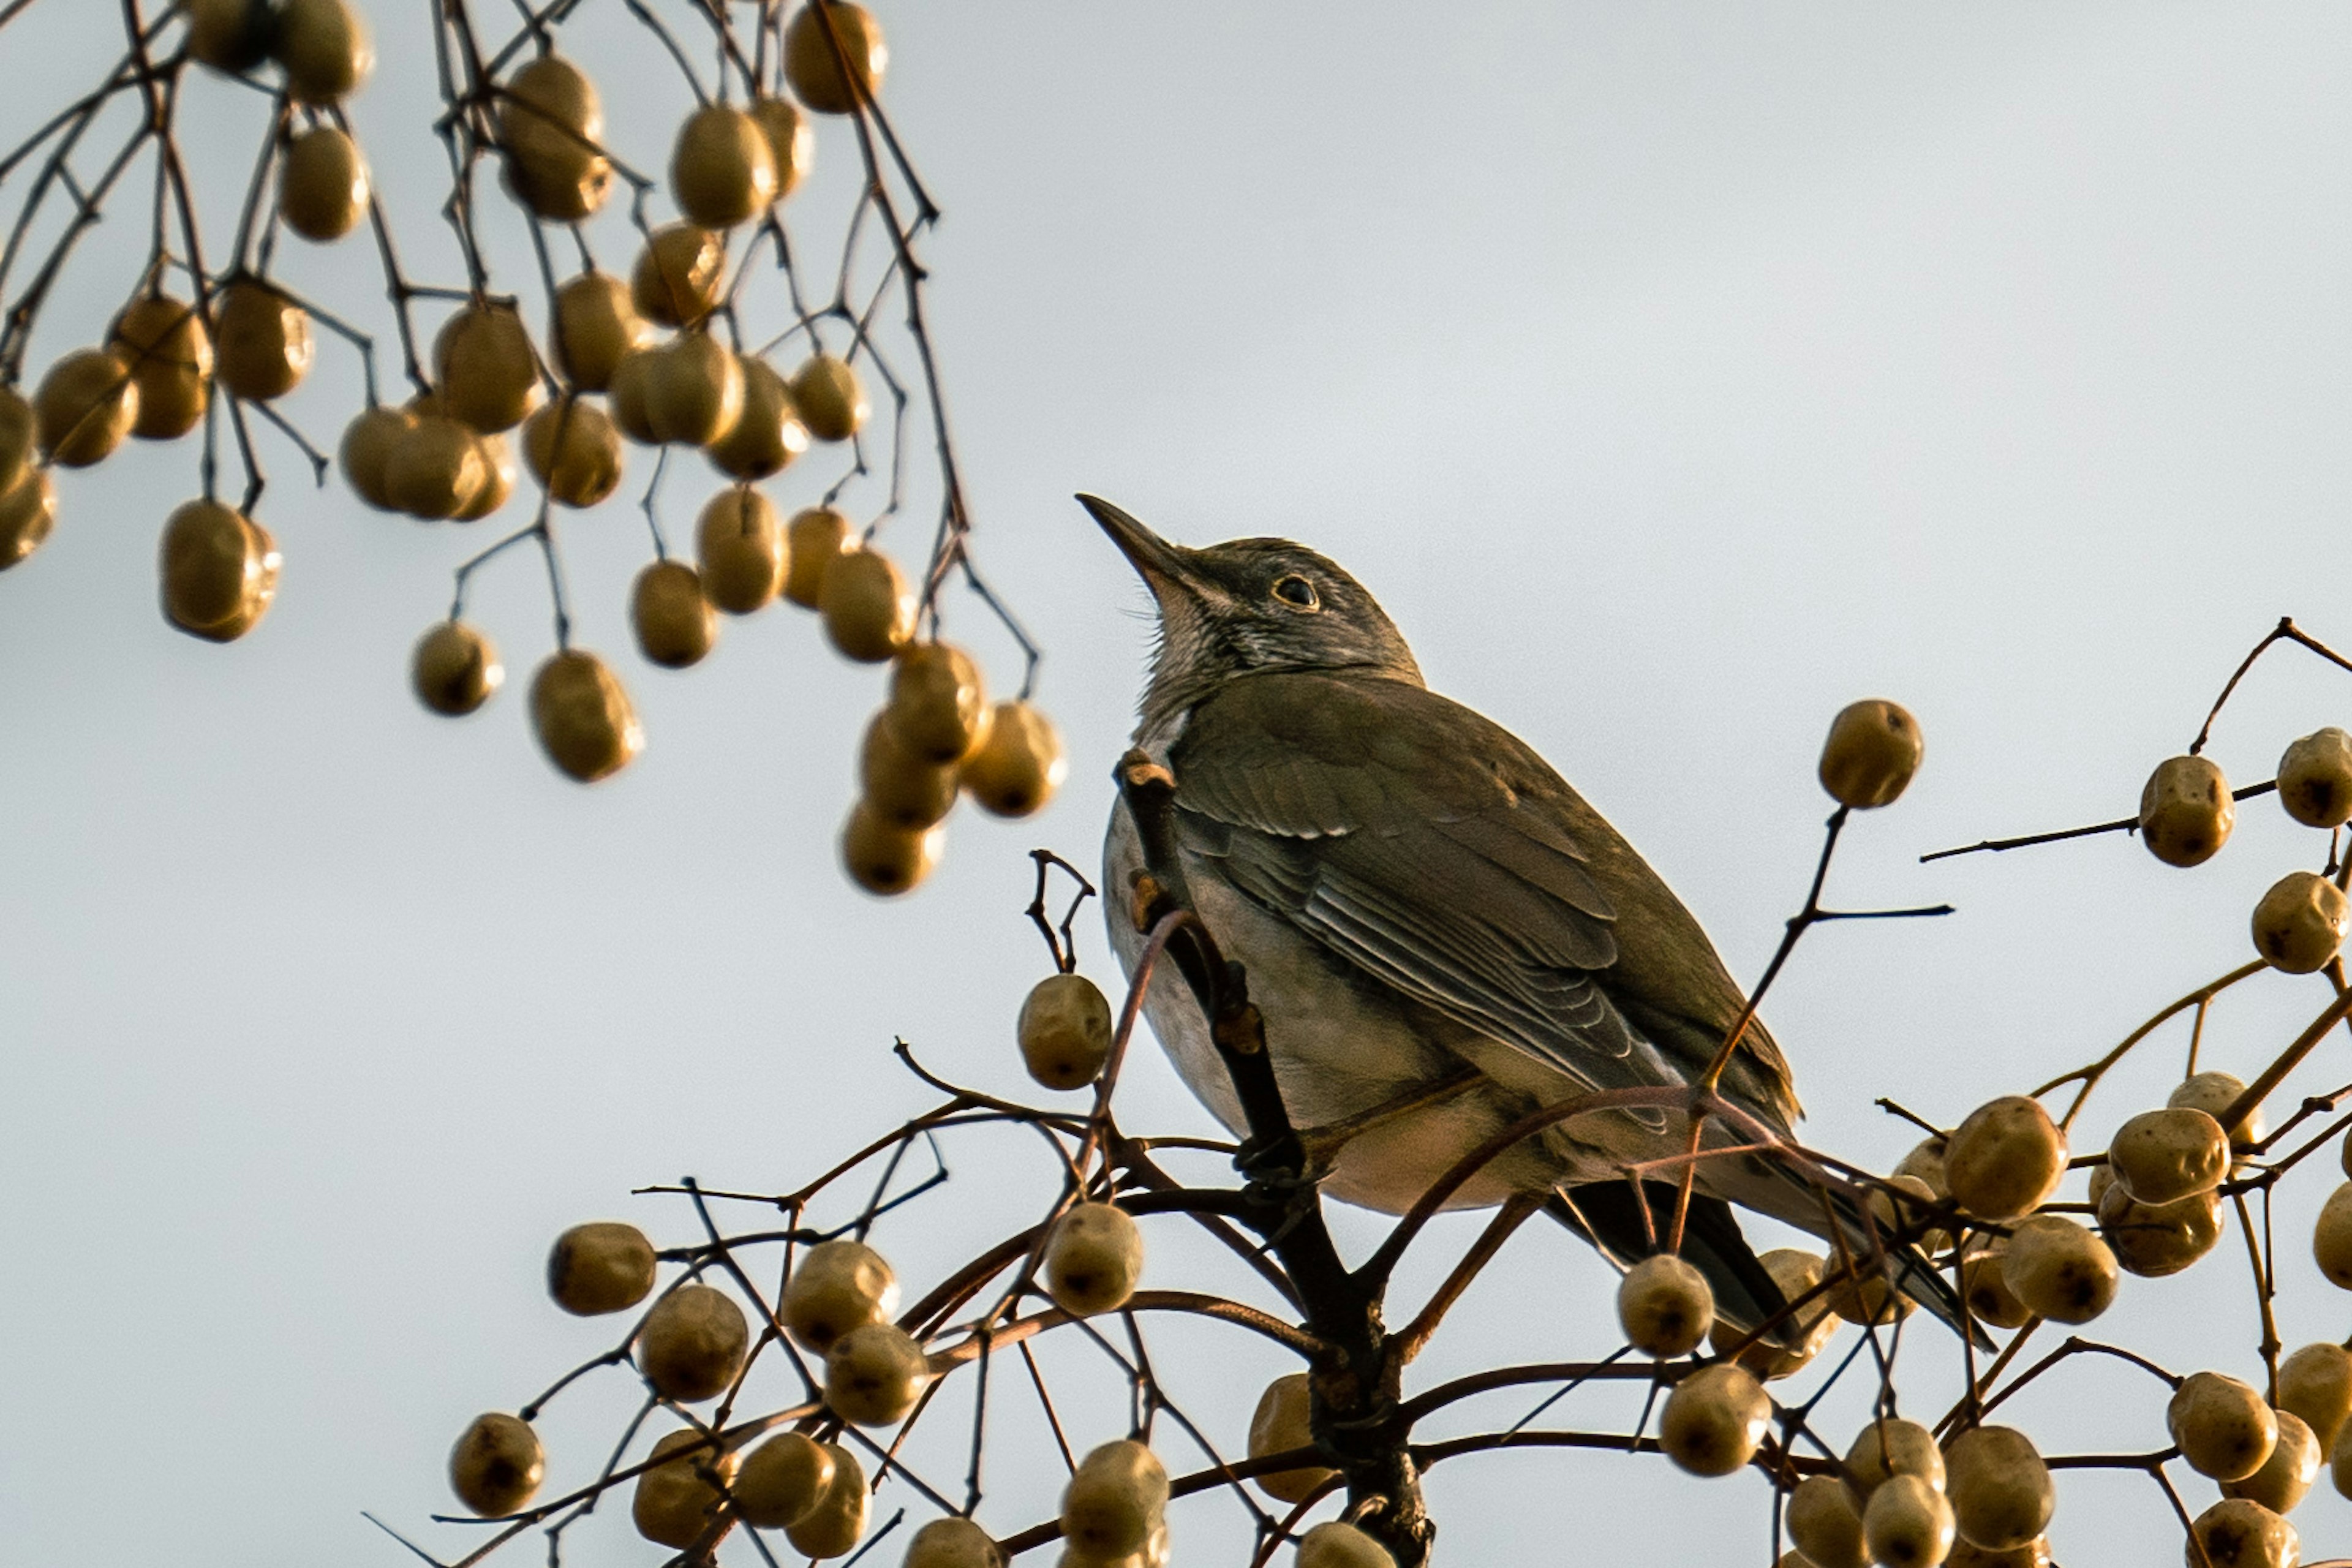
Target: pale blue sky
1675, 373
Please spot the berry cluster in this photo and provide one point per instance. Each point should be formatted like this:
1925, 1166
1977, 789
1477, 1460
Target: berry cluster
655, 356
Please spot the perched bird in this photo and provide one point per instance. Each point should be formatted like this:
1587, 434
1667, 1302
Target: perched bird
1441, 935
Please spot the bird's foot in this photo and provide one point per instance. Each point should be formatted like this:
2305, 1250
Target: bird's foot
1280, 1161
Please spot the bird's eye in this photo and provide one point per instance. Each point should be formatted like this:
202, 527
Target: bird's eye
1298, 593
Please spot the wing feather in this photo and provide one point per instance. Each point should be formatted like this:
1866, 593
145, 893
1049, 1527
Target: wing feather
1426, 846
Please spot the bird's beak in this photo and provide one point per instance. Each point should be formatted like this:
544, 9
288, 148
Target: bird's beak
1160, 564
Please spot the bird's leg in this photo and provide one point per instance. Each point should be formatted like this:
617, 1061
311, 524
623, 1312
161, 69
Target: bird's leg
1323, 1144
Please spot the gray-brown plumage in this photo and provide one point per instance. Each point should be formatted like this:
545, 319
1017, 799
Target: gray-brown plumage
1414, 892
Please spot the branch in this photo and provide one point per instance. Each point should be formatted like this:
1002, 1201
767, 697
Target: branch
2121, 825
1354, 1406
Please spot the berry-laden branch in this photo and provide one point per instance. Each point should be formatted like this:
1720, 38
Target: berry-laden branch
1355, 1406
652, 355
1981, 1203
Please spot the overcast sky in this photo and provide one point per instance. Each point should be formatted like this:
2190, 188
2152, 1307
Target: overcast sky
1675, 373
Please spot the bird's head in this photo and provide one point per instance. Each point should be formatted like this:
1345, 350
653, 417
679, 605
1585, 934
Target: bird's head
1247, 606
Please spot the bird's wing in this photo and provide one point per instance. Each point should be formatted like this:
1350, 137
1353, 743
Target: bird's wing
1427, 847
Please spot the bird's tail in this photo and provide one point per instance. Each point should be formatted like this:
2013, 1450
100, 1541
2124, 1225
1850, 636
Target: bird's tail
1607, 1215
1828, 1208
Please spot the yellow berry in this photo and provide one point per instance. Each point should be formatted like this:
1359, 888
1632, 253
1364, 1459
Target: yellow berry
2163, 1156
867, 604
1020, 764
2301, 922
2000, 1486
954, 1543
835, 1286
818, 536
875, 1375
219, 571
632, 376
1282, 1423
322, 188
1093, 1258
498, 465
230, 36
679, 274
672, 616
496, 1464
739, 543
2214, 1093
2153, 1242
169, 355
369, 442
574, 451
455, 668
595, 323
1114, 1500
2186, 811
551, 123
18, 442
28, 511
599, 1267
1714, 1420
2222, 1426
266, 347
1925, 1162
584, 719
768, 434
1991, 1300
677, 1500
1065, 1032
692, 1343
1664, 1307
2033, 1554
832, 1529
436, 467
783, 1481
939, 710
325, 48
1335, 1544
2006, 1159
816, 48
902, 790
2315, 779
86, 406
2316, 1383
1901, 1208
2238, 1533
2331, 1237
487, 370
1889, 1447
831, 402
1873, 749
722, 169
2059, 1270
886, 859
1909, 1524
1796, 1272
791, 140
1825, 1523
693, 390
2285, 1478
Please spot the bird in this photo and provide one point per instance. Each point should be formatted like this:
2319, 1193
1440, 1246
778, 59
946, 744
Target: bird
1439, 934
